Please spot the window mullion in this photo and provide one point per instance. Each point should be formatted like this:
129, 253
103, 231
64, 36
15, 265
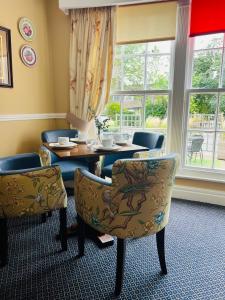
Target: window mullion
221, 67
215, 132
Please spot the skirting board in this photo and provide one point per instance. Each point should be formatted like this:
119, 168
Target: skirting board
198, 194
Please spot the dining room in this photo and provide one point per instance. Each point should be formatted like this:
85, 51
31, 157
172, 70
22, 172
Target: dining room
112, 160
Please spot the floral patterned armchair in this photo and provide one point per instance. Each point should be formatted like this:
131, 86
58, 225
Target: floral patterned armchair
26, 189
135, 204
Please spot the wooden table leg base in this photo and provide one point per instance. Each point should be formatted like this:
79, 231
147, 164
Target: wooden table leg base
101, 240
104, 240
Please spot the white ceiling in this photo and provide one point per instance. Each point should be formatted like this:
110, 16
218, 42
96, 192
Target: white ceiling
69, 4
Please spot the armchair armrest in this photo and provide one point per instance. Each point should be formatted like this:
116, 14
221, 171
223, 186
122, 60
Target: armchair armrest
31, 191
148, 154
93, 197
45, 156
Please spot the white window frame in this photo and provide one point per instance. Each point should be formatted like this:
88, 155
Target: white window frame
180, 100
154, 92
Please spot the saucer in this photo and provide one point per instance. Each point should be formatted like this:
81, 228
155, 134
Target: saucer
69, 145
122, 143
101, 147
78, 141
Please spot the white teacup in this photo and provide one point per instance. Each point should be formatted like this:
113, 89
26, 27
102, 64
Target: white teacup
82, 136
62, 140
107, 142
120, 138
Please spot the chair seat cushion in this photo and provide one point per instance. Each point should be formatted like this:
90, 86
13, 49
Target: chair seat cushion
68, 167
107, 171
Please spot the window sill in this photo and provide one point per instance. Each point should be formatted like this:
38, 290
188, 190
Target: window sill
202, 175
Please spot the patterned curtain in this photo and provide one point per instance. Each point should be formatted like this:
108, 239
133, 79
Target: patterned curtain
91, 61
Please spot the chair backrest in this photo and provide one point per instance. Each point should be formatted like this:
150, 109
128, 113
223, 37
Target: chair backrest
19, 162
51, 136
150, 140
31, 191
141, 195
196, 143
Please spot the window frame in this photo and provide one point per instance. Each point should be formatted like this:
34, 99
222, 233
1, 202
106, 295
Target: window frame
148, 92
199, 171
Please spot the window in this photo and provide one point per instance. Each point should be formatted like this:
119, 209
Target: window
205, 126
141, 87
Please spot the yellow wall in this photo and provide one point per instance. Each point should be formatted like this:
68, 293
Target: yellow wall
59, 37
40, 89
22, 136
33, 87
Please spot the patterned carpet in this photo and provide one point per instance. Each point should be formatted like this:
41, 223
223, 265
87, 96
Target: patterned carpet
195, 248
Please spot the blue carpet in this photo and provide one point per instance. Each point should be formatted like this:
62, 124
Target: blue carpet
195, 251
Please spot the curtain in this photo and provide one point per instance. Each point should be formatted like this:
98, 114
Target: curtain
92, 45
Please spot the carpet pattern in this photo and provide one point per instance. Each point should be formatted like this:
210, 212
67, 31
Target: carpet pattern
195, 252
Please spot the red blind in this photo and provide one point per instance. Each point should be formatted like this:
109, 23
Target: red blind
207, 16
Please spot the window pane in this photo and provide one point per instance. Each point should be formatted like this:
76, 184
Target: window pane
133, 73
206, 69
158, 68
132, 111
208, 41
220, 151
202, 111
159, 47
112, 110
199, 150
156, 107
221, 113
134, 48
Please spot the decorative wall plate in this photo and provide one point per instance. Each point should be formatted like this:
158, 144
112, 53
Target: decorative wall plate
26, 29
28, 55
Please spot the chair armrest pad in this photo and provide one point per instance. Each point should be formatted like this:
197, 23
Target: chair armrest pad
94, 178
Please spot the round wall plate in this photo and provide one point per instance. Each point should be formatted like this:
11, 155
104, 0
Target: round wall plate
28, 55
26, 29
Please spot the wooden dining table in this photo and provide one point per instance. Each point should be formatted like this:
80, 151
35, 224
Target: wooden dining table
92, 156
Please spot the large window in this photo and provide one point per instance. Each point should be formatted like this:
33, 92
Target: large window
205, 139
141, 87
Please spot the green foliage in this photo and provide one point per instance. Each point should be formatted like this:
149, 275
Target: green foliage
158, 108
112, 109
202, 104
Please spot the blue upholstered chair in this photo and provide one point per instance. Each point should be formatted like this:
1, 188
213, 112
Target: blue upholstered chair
27, 189
153, 141
67, 166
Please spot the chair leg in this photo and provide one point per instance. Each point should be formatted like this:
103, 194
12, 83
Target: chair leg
43, 218
3, 242
63, 228
120, 265
160, 239
81, 236
50, 214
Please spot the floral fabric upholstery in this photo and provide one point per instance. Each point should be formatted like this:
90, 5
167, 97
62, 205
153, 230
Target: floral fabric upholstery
45, 156
137, 203
32, 192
